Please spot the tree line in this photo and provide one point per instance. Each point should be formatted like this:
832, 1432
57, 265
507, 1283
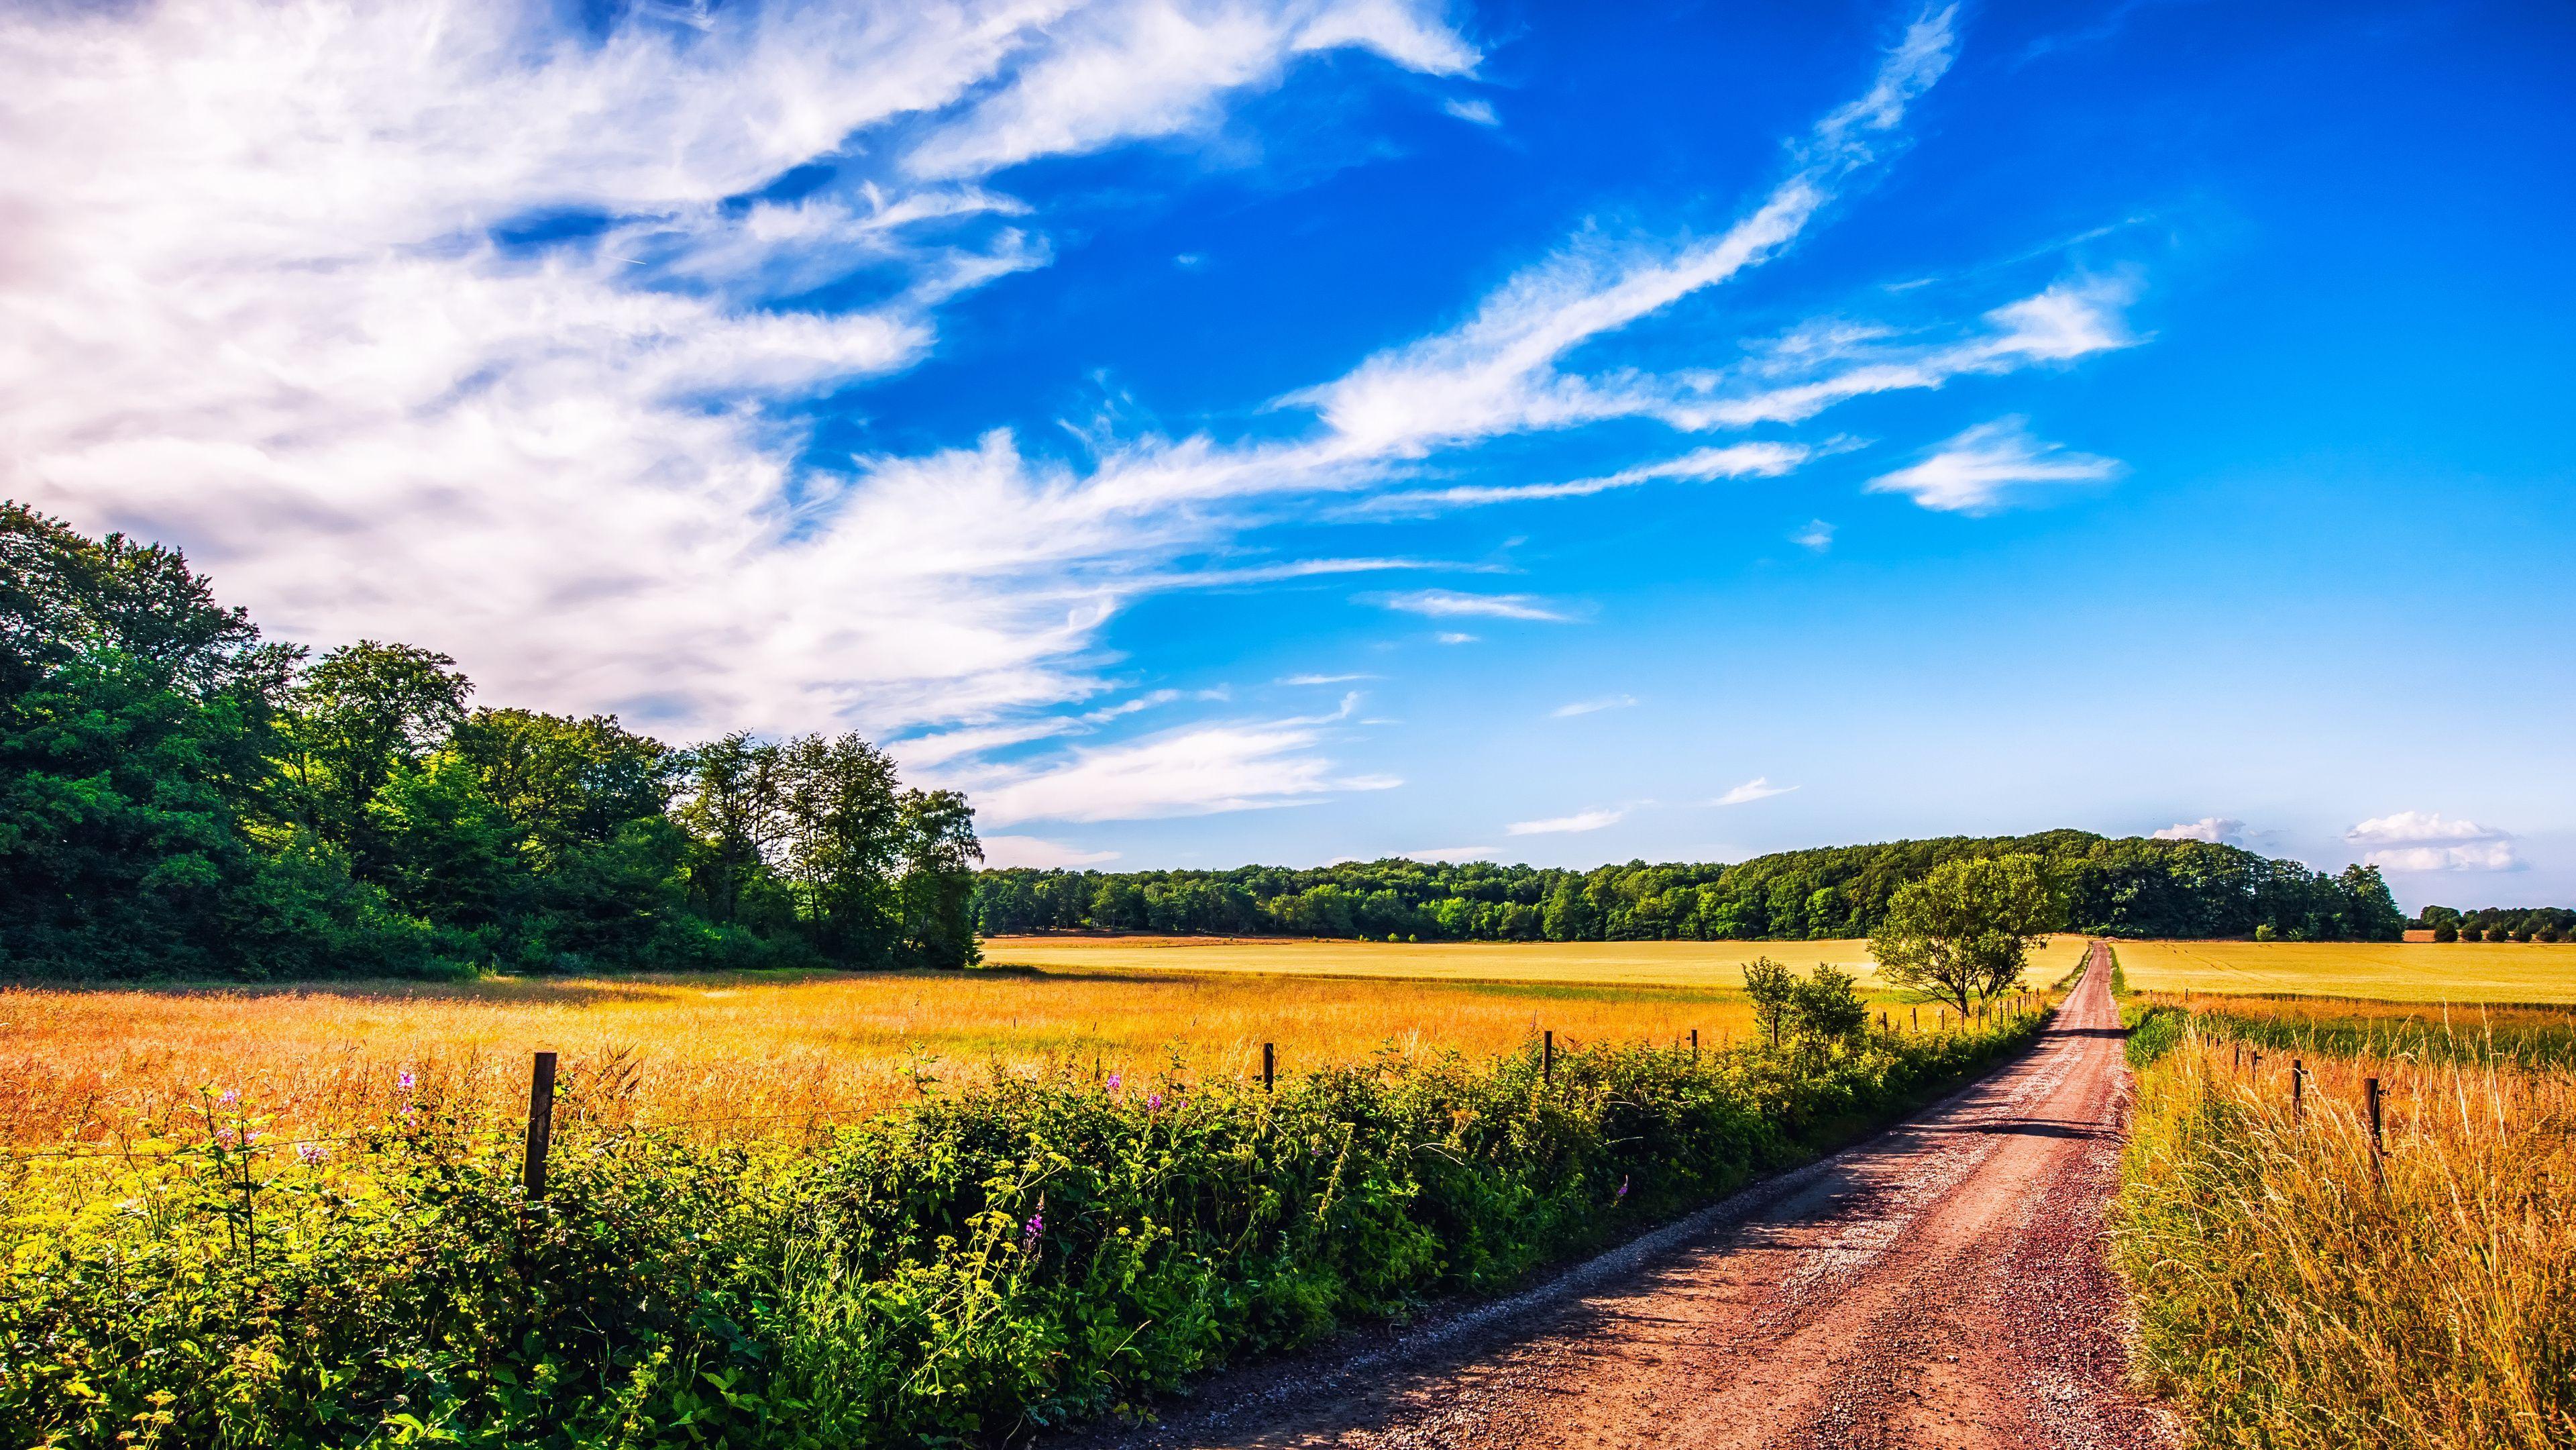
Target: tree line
179, 796
2125, 887
2499, 923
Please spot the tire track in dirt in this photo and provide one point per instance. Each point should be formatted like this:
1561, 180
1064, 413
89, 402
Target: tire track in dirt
1939, 1284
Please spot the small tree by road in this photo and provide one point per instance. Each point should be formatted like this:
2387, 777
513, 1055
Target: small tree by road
1965, 931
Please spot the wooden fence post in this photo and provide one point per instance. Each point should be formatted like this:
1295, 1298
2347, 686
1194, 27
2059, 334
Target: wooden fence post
1694, 1044
541, 1124
2298, 1085
1547, 1057
1269, 1067
2378, 1148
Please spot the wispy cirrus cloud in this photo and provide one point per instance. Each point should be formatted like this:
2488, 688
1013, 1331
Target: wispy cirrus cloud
1816, 535
1196, 770
2430, 841
1741, 460
1562, 825
1758, 788
1591, 707
1979, 470
1454, 604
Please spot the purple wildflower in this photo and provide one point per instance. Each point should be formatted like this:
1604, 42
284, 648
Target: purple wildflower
409, 1081
1623, 1188
230, 1097
311, 1153
1153, 1102
1115, 1081
1036, 1224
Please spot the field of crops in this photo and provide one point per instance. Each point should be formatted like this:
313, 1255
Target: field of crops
741, 1054
1633, 963
2381, 971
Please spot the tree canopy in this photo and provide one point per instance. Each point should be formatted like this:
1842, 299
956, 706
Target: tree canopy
1965, 931
2123, 887
180, 797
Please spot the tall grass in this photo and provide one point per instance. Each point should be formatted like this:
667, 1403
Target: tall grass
2295, 1287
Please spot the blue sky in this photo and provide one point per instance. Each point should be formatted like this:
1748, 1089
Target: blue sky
1293, 429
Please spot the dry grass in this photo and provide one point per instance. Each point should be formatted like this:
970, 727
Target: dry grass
1638, 963
2297, 1290
753, 1051
2387, 971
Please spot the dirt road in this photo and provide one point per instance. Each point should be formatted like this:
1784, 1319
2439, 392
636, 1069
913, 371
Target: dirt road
1937, 1285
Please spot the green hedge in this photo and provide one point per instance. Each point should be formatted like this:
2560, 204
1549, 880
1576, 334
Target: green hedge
1025, 1253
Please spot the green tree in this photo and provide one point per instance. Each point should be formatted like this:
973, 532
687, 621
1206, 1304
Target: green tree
1774, 990
937, 888
359, 715
1827, 1007
1966, 929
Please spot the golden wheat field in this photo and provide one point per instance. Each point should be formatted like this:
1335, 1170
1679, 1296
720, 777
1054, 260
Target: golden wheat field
747, 1052
2385, 971
1633, 963
751, 1053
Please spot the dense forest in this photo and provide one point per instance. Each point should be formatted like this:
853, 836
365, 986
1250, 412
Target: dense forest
2132, 887
179, 796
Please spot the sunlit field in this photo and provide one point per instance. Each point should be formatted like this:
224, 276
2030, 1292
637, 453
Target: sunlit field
753, 1053
2302, 1285
1639, 963
746, 1055
2385, 971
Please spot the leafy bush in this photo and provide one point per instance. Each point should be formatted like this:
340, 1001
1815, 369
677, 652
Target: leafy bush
1028, 1252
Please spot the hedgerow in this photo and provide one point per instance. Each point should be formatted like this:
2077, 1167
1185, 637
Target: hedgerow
1024, 1253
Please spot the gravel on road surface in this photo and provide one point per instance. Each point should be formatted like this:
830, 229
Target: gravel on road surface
1941, 1283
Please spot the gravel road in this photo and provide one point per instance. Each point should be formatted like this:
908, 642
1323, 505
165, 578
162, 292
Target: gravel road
1939, 1284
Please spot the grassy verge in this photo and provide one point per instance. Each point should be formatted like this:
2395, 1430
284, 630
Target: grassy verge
2295, 1288
1035, 1249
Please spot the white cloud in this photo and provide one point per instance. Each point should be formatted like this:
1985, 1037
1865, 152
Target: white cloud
1451, 854
1321, 679
1453, 637
1450, 603
1497, 372
1742, 460
1973, 472
1198, 770
1030, 851
1755, 789
252, 301
2427, 841
1592, 707
1474, 112
2218, 830
1579, 821
1817, 535
1146, 68
1799, 375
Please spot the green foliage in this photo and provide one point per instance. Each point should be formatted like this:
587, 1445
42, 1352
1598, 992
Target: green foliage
1966, 929
1828, 1008
2132, 887
1773, 989
179, 798
1031, 1251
